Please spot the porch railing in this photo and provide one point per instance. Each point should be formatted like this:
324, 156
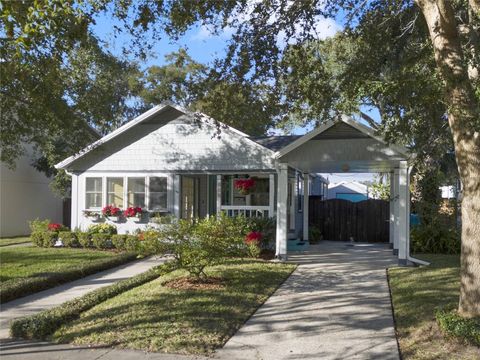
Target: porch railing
245, 210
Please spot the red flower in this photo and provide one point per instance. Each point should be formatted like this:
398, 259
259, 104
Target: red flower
111, 210
253, 237
54, 227
133, 211
244, 185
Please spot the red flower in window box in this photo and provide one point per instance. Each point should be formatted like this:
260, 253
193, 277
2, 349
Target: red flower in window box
111, 210
253, 237
244, 186
55, 227
133, 212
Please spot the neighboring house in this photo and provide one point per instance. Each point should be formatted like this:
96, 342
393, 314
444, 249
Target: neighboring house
171, 161
348, 190
24, 196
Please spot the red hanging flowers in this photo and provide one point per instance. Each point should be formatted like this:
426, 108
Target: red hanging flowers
111, 210
133, 212
244, 186
253, 237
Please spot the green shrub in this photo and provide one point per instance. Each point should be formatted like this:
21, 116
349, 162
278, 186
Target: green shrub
314, 234
131, 243
454, 325
148, 242
40, 326
119, 242
102, 229
102, 241
37, 238
30, 285
266, 226
49, 238
435, 238
69, 239
37, 226
84, 239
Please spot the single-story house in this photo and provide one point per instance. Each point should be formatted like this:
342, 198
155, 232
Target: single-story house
348, 190
170, 160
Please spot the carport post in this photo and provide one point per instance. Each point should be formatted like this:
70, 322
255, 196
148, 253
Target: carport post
282, 194
396, 209
306, 194
404, 207
392, 211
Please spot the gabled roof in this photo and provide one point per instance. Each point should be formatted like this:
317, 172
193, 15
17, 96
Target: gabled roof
344, 131
143, 118
275, 142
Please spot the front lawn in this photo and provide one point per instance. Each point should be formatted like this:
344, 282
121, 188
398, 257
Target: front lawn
14, 240
25, 270
416, 293
156, 317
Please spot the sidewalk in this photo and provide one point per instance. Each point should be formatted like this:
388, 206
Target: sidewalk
47, 299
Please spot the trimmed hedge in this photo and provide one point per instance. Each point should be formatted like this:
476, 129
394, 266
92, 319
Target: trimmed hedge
49, 238
44, 324
102, 241
68, 238
30, 285
84, 239
454, 325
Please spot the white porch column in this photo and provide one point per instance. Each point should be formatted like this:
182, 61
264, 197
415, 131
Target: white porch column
404, 214
219, 194
392, 210
282, 194
176, 195
74, 223
306, 194
396, 210
271, 195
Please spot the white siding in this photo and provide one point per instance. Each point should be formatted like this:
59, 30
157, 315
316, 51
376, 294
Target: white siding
179, 145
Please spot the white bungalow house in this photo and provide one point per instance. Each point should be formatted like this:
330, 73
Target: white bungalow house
173, 161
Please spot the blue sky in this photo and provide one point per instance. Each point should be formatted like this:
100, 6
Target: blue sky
204, 47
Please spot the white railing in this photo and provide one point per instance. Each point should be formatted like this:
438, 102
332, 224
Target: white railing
245, 210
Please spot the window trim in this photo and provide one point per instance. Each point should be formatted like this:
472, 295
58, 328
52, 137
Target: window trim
133, 192
147, 203
108, 192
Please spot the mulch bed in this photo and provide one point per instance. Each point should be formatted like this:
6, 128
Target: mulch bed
189, 283
267, 254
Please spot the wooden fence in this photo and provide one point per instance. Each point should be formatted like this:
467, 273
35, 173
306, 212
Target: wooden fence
343, 220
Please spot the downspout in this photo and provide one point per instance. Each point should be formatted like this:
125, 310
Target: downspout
410, 258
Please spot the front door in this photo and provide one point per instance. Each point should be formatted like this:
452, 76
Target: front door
189, 194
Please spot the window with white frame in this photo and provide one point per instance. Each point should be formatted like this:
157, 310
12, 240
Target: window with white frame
93, 192
115, 191
157, 193
136, 192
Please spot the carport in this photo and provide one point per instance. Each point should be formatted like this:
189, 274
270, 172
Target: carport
346, 145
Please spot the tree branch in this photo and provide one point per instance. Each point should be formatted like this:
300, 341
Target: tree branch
369, 120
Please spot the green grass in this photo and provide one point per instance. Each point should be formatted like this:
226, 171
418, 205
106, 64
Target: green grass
416, 293
153, 317
24, 270
14, 240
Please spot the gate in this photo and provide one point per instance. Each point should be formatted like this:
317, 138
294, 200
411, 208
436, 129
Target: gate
343, 220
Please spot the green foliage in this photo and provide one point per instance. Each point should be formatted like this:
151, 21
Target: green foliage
456, 326
380, 189
118, 241
132, 243
49, 238
101, 241
44, 324
267, 227
22, 286
37, 238
253, 250
148, 242
38, 225
102, 229
85, 239
69, 239
314, 234
434, 238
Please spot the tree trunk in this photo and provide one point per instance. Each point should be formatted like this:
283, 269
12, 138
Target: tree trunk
464, 119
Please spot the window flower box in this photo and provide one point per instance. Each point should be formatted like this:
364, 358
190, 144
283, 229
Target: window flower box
135, 213
92, 215
112, 213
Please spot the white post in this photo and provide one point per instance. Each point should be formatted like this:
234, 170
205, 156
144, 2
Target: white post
396, 210
306, 194
176, 196
392, 210
403, 207
74, 223
282, 194
271, 195
219, 194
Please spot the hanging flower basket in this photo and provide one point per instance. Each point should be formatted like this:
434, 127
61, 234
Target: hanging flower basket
135, 213
244, 186
112, 212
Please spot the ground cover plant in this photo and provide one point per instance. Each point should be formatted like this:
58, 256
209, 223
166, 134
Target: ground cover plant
168, 316
25, 270
417, 295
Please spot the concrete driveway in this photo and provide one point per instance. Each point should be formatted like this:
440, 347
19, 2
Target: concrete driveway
336, 305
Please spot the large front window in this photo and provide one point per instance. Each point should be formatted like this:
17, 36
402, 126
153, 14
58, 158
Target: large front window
136, 192
93, 193
157, 193
115, 192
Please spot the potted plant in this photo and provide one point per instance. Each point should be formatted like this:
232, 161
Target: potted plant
92, 215
244, 186
112, 212
135, 213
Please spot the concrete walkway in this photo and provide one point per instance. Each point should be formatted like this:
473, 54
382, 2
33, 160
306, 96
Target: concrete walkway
336, 305
47, 299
